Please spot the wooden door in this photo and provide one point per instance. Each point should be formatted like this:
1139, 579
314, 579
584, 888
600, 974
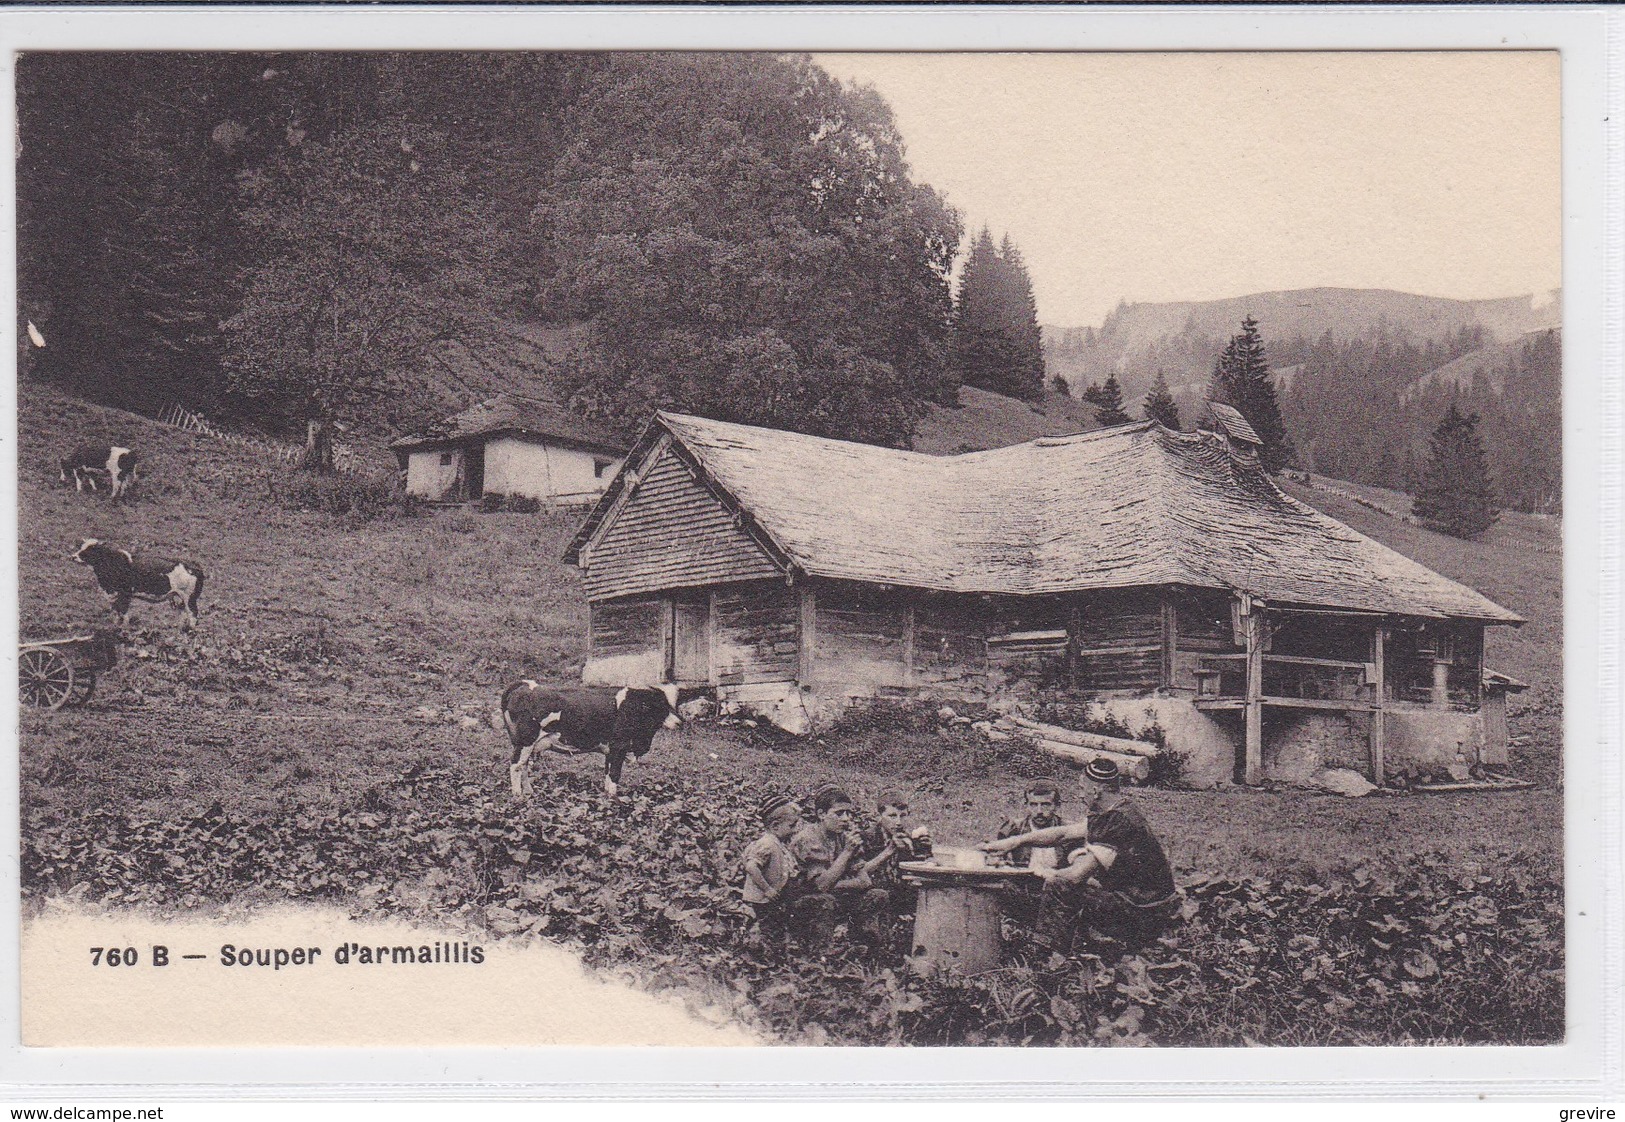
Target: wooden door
691, 641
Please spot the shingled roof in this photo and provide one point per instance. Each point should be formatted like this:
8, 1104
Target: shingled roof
510, 414
1131, 506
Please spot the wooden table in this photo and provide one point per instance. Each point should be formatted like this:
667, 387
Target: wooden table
956, 921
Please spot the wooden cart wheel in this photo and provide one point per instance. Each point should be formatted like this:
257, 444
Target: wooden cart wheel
47, 678
84, 686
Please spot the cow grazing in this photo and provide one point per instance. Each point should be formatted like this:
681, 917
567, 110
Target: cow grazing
89, 462
154, 579
584, 719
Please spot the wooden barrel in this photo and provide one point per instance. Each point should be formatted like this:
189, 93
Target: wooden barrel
956, 921
956, 928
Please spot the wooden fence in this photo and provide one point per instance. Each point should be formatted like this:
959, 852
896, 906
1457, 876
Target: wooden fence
293, 455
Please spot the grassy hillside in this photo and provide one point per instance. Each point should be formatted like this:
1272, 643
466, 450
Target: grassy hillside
990, 420
449, 597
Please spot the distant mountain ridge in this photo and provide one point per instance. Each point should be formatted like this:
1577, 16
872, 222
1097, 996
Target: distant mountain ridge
1182, 338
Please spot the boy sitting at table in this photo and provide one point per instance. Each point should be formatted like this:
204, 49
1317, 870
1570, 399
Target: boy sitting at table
828, 851
888, 841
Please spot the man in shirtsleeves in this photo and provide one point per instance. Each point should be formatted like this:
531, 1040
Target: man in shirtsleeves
1116, 881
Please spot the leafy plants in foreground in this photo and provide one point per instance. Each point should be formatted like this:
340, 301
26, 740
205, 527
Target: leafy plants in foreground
1441, 951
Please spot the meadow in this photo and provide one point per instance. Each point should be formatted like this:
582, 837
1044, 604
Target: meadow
329, 725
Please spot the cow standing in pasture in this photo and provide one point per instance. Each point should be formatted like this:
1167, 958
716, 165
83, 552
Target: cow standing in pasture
584, 719
89, 462
125, 577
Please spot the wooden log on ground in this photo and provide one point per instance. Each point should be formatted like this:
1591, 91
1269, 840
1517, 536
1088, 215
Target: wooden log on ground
1137, 768
1094, 740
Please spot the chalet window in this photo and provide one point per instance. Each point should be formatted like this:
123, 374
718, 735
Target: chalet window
445, 459
600, 466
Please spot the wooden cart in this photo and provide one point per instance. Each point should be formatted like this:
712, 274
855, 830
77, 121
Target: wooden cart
58, 672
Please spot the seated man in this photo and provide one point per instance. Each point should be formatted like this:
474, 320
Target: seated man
1042, 803
1117, 880
828, 852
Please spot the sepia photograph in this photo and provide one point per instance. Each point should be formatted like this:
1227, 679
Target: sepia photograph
757, 548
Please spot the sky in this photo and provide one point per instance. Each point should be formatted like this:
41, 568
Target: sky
1200, 176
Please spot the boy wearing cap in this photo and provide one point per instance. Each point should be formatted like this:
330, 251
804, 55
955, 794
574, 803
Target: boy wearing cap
770, 874
1117, 880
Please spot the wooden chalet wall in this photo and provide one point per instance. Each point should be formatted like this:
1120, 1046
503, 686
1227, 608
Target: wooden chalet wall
862, 639
754, 634
1118, 642
949, 656
1202, 625
671, 532
1027, 642
627, 642
871, 641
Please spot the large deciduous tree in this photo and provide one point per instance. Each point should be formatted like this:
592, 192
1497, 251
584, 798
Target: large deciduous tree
1241, 378
1455, 495
375, 250
742, 239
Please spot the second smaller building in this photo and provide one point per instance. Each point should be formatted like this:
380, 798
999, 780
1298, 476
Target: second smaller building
510, 445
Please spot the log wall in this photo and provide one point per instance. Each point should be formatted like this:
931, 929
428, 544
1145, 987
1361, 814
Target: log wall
1202, 626
626, 642
755, 633
863, 639
1119, 643
950, 653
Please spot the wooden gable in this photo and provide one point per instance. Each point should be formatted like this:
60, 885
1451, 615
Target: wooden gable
670, 532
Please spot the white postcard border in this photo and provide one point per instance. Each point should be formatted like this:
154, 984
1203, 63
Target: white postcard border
1589, 1063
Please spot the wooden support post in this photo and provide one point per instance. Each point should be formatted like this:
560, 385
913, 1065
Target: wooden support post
1252, 617
1074, 625
668, 637
1379, 727
712, 674
1170, 640
908, 645
1440, 696
807, 640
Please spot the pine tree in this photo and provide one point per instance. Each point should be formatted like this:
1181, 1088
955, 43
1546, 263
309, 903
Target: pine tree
1455, 496
1025, 378
978, 352
1241, 378
1160, 406
1108, 402
997, 344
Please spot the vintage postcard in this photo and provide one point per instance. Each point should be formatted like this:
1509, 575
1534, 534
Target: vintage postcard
738, 549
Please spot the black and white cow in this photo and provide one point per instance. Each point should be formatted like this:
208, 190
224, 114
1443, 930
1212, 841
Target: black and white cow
89, 462
584, 719
154, 579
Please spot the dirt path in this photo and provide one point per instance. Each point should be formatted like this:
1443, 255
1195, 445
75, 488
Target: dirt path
531, 995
